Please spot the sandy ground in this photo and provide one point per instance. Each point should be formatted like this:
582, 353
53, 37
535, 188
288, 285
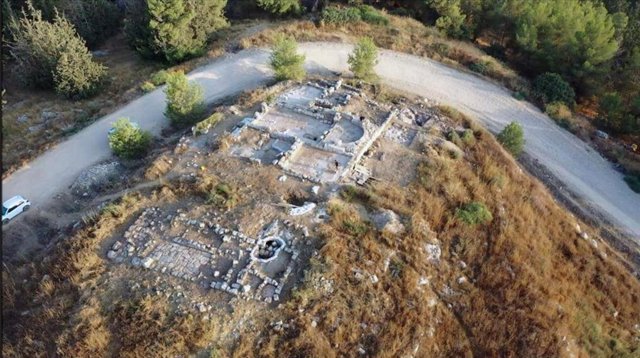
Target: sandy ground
579, 167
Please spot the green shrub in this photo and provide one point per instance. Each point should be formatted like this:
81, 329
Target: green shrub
172, 30
474, 213
634, 182
560, 113
354, 227
343, 15
551, 87
203, 127
512, 138
223, 195
479, 67
468, 138
454, 137
159, 78
363, 59
371, 15
285, 60
185, 101
280, 7
95, 20
147, 86
52, 55
128, 141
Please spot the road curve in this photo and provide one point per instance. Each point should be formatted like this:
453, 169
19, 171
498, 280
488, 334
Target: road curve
571, 160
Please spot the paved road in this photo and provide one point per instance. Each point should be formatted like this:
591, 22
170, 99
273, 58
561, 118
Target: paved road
583, 170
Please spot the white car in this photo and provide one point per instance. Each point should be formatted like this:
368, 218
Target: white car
14, 206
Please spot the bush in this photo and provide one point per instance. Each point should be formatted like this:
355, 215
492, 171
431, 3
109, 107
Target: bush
560, 113
468, 138
280, 7
223, 195
172, 30
343, 15
474, 213
128, 141
95, 20
479, 67
512, 138
159, 78
285, 61
363, 59
371, 15
551, 87
203, 127
51, 55
147, 86
185, 101
634, 182
614, 116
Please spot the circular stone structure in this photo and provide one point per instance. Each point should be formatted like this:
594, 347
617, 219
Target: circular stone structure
267, 249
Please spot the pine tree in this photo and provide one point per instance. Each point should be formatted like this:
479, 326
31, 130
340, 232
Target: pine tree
512, 138
52, 55
172, 30
363, 59
280, 7
285, 61
95, 20
185, 101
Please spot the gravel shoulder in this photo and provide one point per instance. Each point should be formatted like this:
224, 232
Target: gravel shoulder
573, 162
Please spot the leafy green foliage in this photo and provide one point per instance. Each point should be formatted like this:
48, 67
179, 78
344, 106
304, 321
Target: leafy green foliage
512, 138
159, 78
95, 20
172, 30
280, 7
203, 127
614, 117
451, 17
474, 213
147, 86
363, 59
634, 182
343, 15
128, 141
223, 195
285, 60
52, 55
565, 36
185, 101
560, 113
551, 87
340, 15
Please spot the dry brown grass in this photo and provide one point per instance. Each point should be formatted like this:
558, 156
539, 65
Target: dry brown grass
529, 275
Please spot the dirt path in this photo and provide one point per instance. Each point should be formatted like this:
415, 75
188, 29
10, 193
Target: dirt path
579, 167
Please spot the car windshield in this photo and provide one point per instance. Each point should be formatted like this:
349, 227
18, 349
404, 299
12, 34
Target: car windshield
4, 210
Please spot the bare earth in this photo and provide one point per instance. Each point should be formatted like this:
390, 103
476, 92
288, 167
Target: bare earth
579, 167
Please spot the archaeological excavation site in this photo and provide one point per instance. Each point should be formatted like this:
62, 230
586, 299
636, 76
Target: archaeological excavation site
327, 218
317, 137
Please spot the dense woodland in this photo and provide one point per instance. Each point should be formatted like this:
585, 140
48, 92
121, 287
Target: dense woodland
594, 45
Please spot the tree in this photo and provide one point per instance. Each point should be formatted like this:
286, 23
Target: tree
52, 55
570, 37
185, 101
95, 20
451, 17
363, 59
512, 138
285, 60
280, 7
551, 87
128, 141
172, 30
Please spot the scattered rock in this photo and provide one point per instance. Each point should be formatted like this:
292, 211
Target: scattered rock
301, 210
282, 178
22, 119
315, 189
46, 116
111, 255
433, 252
387, 220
